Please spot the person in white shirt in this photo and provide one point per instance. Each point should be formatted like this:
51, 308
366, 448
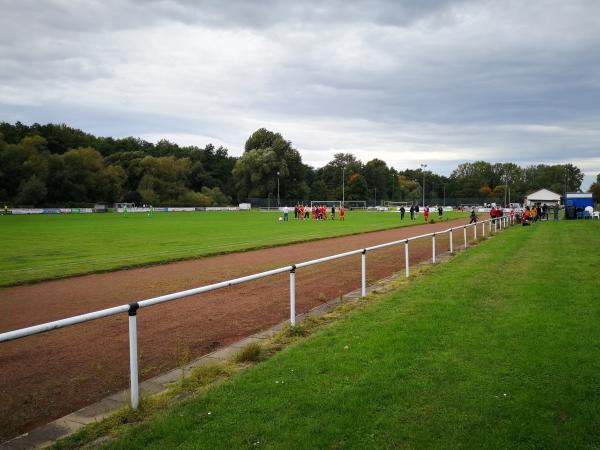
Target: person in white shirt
285, 213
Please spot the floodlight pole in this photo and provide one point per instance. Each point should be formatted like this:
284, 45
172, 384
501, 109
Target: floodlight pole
423, 166
278, 188
505, 189
343, 185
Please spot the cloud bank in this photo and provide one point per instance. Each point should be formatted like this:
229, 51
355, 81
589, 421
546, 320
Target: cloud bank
440, 82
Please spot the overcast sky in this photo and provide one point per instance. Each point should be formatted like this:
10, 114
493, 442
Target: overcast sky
410, 82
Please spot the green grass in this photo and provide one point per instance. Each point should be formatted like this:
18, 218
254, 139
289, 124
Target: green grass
49, 246
500, 348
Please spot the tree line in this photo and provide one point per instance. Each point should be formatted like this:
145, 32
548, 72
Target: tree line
57, 165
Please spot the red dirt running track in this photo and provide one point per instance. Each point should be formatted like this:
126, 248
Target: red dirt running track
46, 376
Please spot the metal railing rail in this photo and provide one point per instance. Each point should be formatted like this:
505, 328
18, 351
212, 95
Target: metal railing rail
132, 308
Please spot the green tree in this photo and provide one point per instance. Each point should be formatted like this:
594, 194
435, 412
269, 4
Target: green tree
408, 190
377, 176
82, 182
318, 191
32, 192
342, 164
595, 189
164, 179
256, 173
265, 154
357, 188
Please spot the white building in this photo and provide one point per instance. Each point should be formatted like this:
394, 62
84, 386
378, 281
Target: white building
543, 196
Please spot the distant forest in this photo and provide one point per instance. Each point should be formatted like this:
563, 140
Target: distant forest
56, 165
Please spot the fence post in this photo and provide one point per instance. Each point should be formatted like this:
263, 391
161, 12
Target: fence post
451, 249
495, 226
475, 231
490, 226
406, 258
433, 248
293, 296
363, 291
483, 230
133, 357
465, 234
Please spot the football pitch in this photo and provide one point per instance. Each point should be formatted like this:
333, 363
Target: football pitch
40, 247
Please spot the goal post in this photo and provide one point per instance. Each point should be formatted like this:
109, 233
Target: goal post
398, 205
329, 203
355, 204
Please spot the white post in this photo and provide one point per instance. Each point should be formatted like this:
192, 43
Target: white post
490, 227
433, 248
363, 291
293, 296
475, 231
495, 226
133, 357
406, 258
465, 234
483, 230
451, 248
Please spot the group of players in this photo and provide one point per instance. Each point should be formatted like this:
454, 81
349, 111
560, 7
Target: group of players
414, 209
302, 212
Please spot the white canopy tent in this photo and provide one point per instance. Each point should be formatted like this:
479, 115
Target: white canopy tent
543, 196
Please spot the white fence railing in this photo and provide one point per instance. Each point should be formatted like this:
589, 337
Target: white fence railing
132, 308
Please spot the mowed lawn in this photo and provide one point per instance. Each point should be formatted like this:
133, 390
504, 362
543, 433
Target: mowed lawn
39, 247
499, 348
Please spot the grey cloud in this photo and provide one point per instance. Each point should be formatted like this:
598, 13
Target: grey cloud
444, 80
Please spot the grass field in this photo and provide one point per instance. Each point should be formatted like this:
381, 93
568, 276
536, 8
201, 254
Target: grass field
49, 246
497, 349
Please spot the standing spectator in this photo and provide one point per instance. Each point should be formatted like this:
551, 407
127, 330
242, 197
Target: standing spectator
555, 212
526, 216
473, 217
426, 213
333, 212
440, 212
412, 212
402, 211
342, 213
285, 213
